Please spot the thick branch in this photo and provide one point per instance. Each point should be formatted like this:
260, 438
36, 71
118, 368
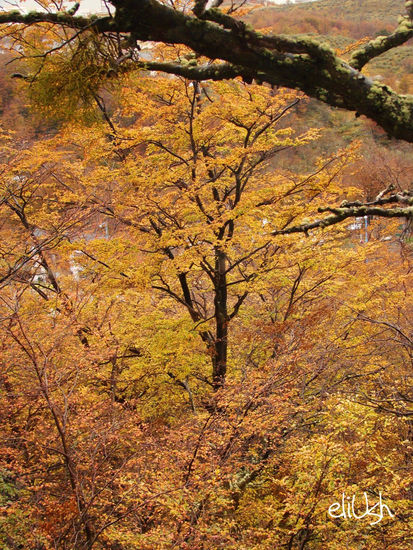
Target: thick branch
293, 62
207, 71
64, 19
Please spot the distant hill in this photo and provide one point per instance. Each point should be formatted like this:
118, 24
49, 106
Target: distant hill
354, 10
355, 18
341, 23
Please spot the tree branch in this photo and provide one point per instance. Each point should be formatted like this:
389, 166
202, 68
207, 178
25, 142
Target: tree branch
293, 62
382, 44
355, 210
64, 19
192, 71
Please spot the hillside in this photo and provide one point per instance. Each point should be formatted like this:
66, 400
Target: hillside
355, 18
354, 10
341, 23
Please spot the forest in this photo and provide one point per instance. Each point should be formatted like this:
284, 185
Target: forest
206, 272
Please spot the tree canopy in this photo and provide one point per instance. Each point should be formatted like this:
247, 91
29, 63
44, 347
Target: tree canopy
176, 372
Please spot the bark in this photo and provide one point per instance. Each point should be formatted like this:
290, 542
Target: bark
221, 320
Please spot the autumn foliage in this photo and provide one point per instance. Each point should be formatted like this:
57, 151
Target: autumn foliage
174, 374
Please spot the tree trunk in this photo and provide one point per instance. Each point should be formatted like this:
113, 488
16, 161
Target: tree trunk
221, 321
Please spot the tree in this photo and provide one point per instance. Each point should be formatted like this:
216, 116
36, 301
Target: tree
295, 62
202, 198
121, 429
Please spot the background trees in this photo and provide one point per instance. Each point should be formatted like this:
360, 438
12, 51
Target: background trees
176, 372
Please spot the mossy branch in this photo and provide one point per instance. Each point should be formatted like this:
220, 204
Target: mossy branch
294, 62
358, 209
192, 71
64, 19
382, 44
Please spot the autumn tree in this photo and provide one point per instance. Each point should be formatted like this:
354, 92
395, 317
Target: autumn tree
202, 199
176, 371
185, 362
